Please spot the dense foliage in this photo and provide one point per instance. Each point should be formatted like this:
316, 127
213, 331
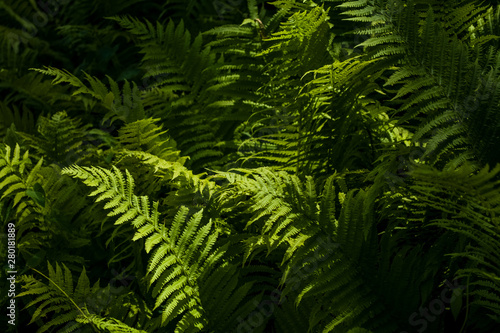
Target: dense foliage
251, 166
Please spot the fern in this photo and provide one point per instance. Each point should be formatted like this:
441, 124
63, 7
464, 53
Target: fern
144, 142
298, 47
346, 262
469, 208
145, 136
172, 266
60, 139
23, 121
432, 65
323, 166
125, 105
18, 177
181, 63
71, 305
108, 324
60, 296
41, 201
30, 90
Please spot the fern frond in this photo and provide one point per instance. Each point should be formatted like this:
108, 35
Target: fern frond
17, 178
182, 65
279, 208
23, 121
68, 304
470, 205
187, 188
60, 139
125, 105
333, 268
439, 68
108, 324
180, 253
146, 136
58, 296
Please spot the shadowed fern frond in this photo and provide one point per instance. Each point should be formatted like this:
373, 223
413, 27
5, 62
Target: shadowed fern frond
66, 303
125, 104
469, 203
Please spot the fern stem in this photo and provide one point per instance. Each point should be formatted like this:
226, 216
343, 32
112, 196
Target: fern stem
466, 306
